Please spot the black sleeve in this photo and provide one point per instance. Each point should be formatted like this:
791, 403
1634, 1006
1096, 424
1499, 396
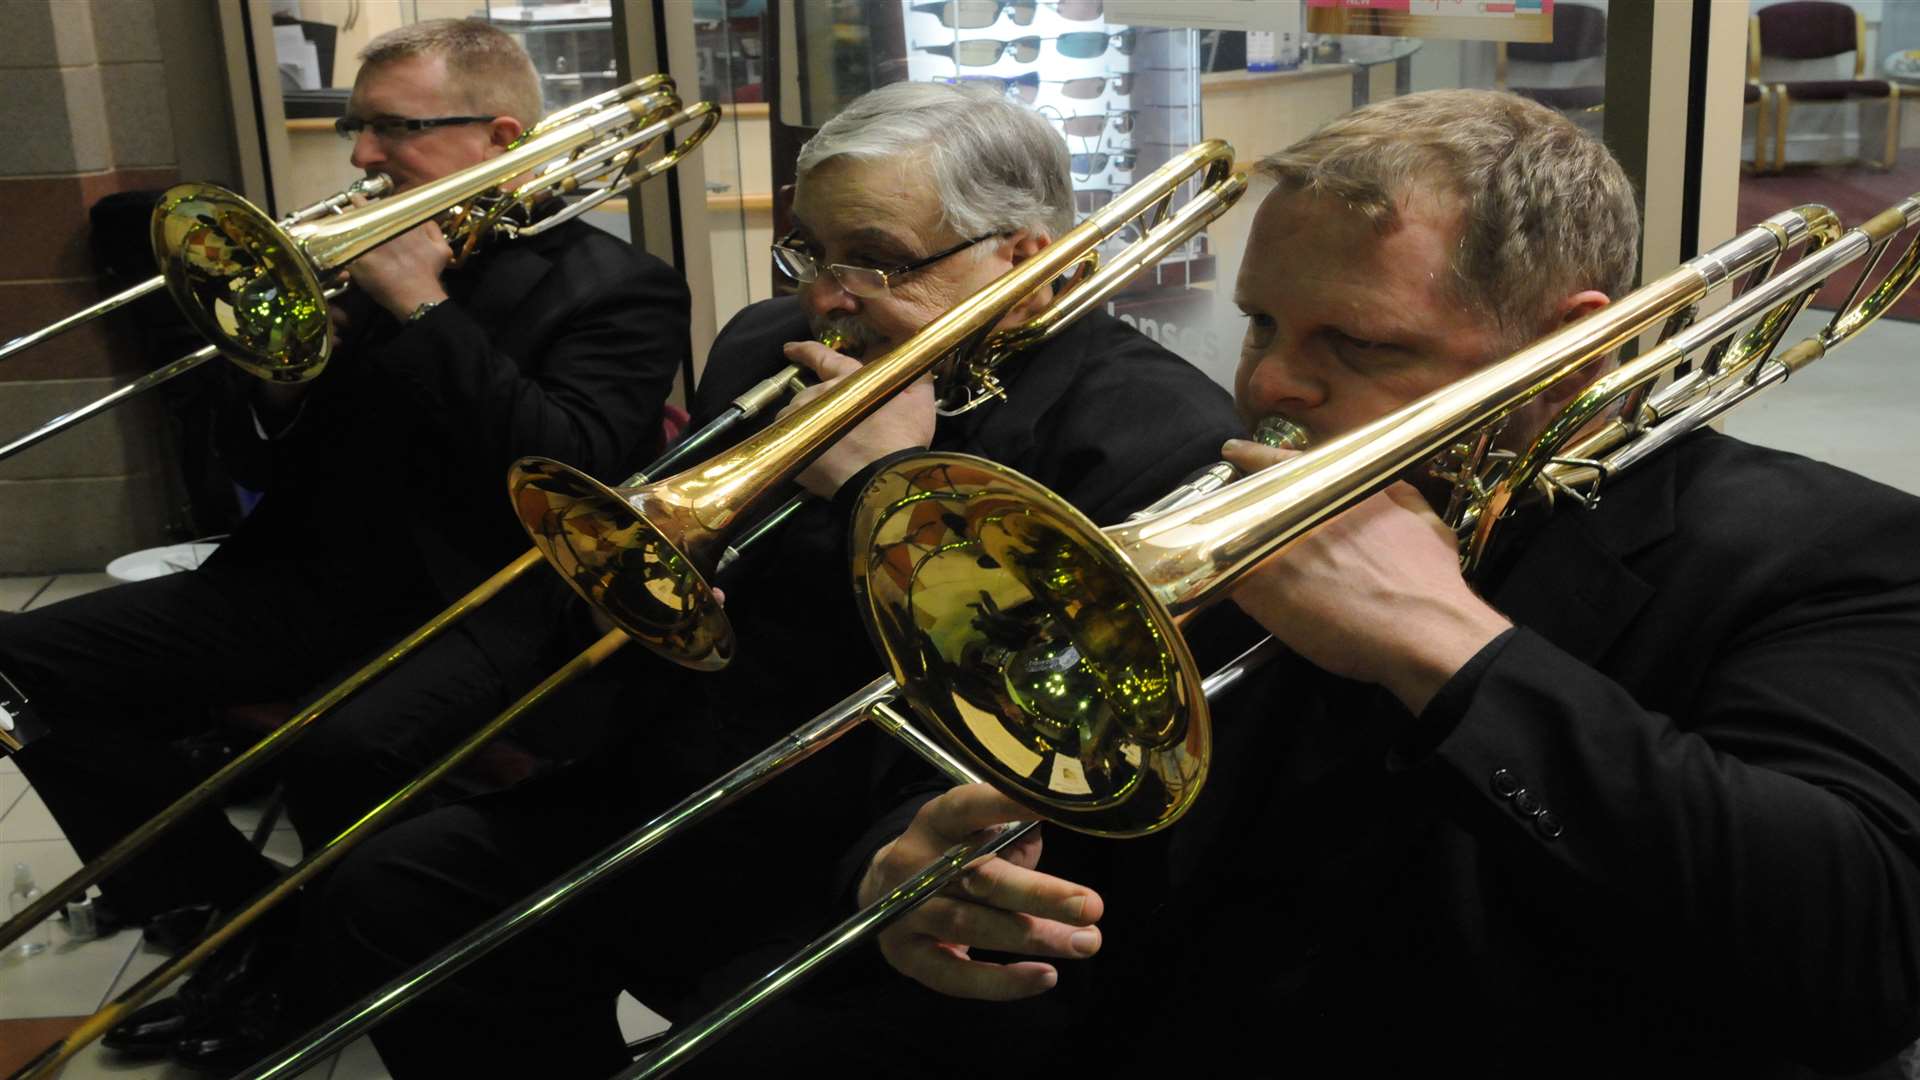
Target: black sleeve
1775, 825
592, 399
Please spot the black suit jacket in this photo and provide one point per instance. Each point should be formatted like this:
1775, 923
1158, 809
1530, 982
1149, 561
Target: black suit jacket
393, 475
1668, 825
1102, 414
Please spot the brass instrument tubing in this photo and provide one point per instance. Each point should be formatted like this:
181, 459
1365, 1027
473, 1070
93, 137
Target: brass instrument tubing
332, 851
686, 1042
258, 754
87, 314
107, 401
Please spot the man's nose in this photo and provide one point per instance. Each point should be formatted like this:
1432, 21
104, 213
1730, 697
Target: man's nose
1283, 383
824, 295
367, 151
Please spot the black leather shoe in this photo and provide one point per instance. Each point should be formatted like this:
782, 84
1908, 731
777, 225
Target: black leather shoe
178, 928
245, 1035
153, 1030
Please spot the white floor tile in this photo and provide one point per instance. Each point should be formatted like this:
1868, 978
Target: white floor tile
28, 818
9, 766
50, 860
67, 586
15, 592
69, 979
283, 846
358, 1060
636, 1020
12, 786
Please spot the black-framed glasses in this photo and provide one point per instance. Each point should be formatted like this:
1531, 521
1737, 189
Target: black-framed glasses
1092, 124
1022, 88
1087, 165
974, 14
393, 127
986, 52
866, 282
1089, 87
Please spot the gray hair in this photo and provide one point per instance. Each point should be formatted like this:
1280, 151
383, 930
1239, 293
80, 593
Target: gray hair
1546, 210
486, 68
995, 166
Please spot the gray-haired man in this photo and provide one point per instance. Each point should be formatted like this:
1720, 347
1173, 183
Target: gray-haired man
907, 202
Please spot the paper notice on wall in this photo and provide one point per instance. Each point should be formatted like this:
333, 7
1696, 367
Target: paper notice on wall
298, 59
1472, 20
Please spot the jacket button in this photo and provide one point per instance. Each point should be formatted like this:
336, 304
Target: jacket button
1526, 803
1505, 783
1548, 825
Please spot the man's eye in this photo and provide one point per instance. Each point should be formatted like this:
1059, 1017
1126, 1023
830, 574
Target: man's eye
1260, 330
1359, 350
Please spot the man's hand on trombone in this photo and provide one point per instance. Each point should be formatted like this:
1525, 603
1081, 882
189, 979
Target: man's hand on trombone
904, 423
1002, 904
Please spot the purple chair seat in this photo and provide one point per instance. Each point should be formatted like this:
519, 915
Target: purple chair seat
1836, 89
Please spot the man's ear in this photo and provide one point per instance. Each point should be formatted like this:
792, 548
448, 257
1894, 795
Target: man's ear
501, 133
1025, 244
1577, 305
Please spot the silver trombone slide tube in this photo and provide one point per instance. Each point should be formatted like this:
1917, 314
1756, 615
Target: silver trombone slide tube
348, 1024
101, 404
369, 186
682, 1045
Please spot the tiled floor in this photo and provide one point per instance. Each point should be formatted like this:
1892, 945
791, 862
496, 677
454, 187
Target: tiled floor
72, 979
1847, 409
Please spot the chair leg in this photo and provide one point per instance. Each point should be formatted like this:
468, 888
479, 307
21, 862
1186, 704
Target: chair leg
1780, 102
1893, 127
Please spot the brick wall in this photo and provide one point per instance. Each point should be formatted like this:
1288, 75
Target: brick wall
88, 114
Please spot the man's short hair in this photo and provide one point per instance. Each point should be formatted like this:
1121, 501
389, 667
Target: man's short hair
996, 167
1545, 210
488, 73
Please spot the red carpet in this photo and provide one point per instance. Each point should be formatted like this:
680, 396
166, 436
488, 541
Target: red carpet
1854, 192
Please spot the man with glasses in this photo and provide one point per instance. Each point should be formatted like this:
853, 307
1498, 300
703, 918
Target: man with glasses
914, 197
383, 501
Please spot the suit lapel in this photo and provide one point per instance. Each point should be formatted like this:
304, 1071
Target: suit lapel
1571, 579
497, 292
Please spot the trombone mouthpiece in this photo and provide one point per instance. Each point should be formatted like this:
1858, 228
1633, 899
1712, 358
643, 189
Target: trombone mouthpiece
1279, 432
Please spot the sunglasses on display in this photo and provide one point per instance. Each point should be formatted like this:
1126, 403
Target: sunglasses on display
1092, 125
393, 127
1086, 165
1092, 86
1022, 88
976, 14
866, 282
985, 52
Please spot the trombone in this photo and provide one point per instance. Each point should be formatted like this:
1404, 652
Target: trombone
557, 507
252, 286
368, 187
616, 152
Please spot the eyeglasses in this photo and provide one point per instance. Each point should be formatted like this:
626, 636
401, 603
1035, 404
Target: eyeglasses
394, 127
1086, 165
1022, 88
1079, 45
865, 282
985, 52
1092, 86
974, 14
1086, 44
1095, 123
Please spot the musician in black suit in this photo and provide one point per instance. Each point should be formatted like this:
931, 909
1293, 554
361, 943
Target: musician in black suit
1640, 798
911, 199
384, 483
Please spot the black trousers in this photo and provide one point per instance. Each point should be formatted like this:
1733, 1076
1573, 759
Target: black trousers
120, 672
